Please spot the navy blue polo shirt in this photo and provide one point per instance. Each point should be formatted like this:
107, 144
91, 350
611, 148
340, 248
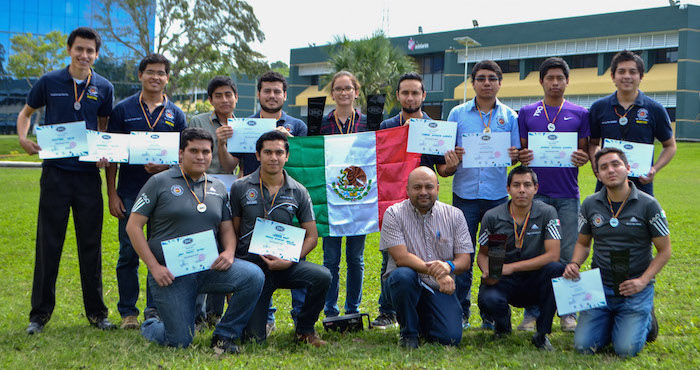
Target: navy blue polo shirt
295, 126
427, 160
55, 91
128, 116
646, 120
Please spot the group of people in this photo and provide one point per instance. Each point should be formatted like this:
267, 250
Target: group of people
428, 246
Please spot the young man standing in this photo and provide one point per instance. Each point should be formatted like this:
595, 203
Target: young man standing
558, 186
75, 93
147, 110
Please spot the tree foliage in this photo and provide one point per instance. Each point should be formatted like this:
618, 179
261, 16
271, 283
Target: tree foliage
202, 35
281, 67
375, 62
34, 56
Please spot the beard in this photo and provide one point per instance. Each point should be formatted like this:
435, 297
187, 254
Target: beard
270, 110
410, 110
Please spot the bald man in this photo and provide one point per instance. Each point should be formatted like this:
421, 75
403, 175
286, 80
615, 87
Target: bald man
428, 243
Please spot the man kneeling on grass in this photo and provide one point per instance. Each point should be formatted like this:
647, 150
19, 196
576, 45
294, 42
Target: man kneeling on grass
428, 243
179, 202
624, 222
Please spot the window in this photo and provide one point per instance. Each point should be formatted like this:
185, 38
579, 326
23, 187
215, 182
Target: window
583, 61
431, 67
668, 55
509, 66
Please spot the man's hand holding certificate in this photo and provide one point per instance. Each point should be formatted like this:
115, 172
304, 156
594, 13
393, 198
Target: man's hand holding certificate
552, 149
63, 140
190, 253
486, 150
277, 239
639, 155
431, 137
113, 147
246, 132
154, 147
579, 295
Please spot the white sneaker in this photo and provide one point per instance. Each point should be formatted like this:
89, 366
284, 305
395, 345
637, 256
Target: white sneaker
568, 323
528, 324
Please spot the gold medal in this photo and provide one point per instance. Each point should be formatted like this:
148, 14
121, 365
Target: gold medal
487, 130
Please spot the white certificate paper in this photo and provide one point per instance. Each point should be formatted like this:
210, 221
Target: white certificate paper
246, 132
114, 147
276, 239
63, 140
190, 253
431, 137
486, 150
552, 149
580, 295
154, 147
639, 155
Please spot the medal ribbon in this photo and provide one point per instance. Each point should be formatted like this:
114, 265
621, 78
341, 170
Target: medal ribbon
627, 111
351, 125
267, 214
148, 121
75, 88
555, 117
519, 238
615, 214
488, 126
192, 191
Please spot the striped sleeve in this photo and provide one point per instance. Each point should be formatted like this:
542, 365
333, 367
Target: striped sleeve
145, 203
463, 241
583, 226
553, 229
486, 225
391, 233
658, 224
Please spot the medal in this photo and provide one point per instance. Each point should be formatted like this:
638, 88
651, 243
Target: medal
519, 238
614, 222
623, 121
76, 105
487, 126
551, 127
267, 213
623, 117
487, 130
148, 121
201, 207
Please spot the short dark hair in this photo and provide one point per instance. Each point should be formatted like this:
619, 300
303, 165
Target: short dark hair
551, 63
86, 33
273, 135
487, 64
154, 58
609, 150
522, 170
272, 76
219, 81
410, 76
194, 133
625, 56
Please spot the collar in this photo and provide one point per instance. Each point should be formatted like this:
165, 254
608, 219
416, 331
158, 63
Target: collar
639, 101
254, 178
397, 118
535, 210
283, 117
358, 115
602, 194
66, 75
174, 172
417, 212
471, 105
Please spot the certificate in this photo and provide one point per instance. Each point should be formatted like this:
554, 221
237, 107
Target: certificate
276, 239
154, 147
63, 140
246, 132
639, 155
431, 137
552, 149
190, 253
486, 150
580, 295
114, 147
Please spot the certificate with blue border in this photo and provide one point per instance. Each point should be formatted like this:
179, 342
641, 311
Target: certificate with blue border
62, 140
190, 254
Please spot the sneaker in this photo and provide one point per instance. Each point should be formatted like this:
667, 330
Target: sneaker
653, 331
384, 321
568, 323
542, 342
311, 338
269, 328
34, 328
151, 313
465, 323
129, 322
528, 323
409, 342
488, 324
223, 345
103, 324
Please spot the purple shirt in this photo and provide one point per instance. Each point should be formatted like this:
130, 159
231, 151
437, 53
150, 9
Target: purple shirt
555, 182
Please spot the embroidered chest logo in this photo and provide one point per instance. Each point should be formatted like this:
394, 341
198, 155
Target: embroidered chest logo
176, 190
352, 184
92, 92
598, 220
252, 194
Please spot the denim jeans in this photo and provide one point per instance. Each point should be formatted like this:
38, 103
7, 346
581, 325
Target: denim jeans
128, 270
385, 306
176, 303
625, 322
522, 289
434, 315
473, 210
355, 259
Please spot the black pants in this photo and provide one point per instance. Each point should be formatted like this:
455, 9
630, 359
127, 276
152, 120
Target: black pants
62, 190
523, 289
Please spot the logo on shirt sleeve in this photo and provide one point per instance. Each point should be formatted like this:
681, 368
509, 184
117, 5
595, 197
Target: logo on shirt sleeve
142, 201
581, 221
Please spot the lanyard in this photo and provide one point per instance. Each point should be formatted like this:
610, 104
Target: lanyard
627, 111
615, 214
544, 107
75, 91
148, 121
201, 207
487, 127
276, 119
519, 238
267, 213
351, 125
211, 120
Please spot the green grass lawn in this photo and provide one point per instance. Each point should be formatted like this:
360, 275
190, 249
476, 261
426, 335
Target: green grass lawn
10, 150
68, 340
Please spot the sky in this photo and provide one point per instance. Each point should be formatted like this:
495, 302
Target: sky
300, 23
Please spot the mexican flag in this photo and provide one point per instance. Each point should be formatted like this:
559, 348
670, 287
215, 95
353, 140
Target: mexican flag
352, 179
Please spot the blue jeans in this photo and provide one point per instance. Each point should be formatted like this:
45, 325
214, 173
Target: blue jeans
473, 210
522, 289
128, 270
176, 303
625, 322
385, 306
355, 259
434, 315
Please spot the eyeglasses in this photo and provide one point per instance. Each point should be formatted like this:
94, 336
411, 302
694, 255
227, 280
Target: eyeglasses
490, 78
149, 72
346, 89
